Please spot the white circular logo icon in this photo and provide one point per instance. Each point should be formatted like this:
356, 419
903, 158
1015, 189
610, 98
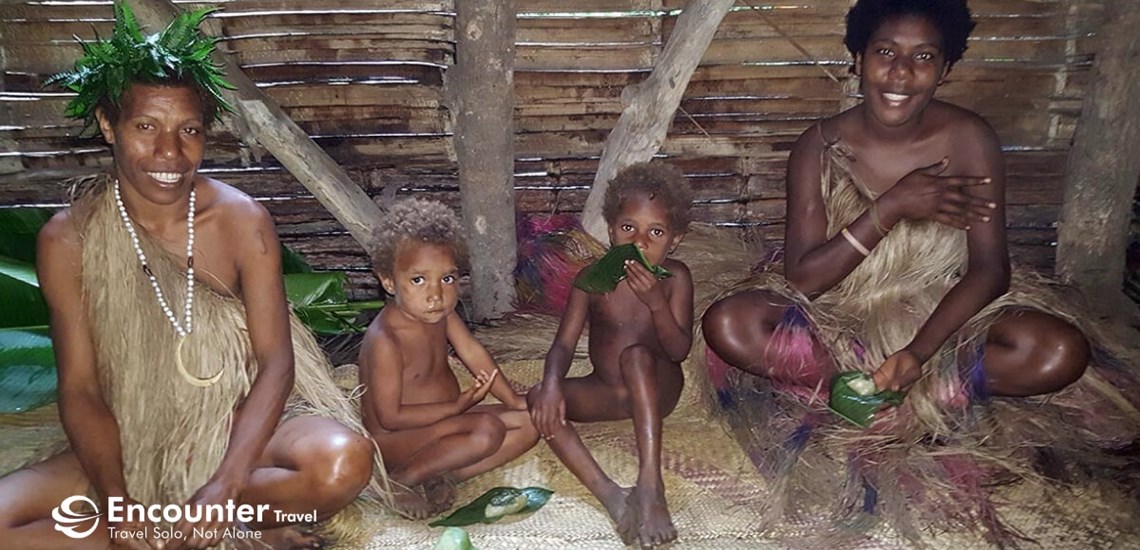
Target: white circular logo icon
66, 518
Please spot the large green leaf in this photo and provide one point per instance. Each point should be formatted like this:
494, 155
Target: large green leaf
19, 270
27, 369
21, 302
18, 229
604, 275
319, 300
496, 504
292, 262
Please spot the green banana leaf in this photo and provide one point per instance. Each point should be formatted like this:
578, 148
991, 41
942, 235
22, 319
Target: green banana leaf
453, 538
496, 504
21, 302
27, 369
20, 270
27, 364
18, 229
603, 276
292, 262
852, 406
319, 300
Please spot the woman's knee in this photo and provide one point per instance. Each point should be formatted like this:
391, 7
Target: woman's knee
340, 464
1070, 355
1033, 353
739, 326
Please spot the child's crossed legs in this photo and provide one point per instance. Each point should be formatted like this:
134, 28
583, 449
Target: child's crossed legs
434, 457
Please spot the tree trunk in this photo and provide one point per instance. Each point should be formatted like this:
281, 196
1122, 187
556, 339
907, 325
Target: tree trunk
271, 127
649, 105
1101, 177
481, 93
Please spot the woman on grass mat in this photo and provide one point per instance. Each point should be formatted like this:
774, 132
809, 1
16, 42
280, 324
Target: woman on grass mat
896, 264
183, 378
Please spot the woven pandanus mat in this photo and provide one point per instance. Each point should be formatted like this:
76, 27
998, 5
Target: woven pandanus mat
24, 435
714, 492
716, 497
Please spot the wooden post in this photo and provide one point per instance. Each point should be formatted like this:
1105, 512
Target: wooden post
287, 142
649, 105
480, 89
1101, 176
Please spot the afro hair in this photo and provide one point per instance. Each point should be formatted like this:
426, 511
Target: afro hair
658, 179
417, 221
951, 17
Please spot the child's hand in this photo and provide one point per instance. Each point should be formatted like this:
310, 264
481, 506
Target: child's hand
898, 372
548, 412
478, 390
645, 286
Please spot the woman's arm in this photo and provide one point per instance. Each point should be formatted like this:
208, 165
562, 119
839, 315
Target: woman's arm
90, 426
977, 152
987, 272
814, 264
257, 254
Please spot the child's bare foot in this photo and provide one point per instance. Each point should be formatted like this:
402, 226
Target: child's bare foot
292, 537
626, 521
656, 524
411, 502
618, 506
440, 493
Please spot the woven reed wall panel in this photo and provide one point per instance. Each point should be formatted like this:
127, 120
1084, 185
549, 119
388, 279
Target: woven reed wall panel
366, 80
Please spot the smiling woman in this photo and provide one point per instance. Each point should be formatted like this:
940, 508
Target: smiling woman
158, 139
184, 382
896, 265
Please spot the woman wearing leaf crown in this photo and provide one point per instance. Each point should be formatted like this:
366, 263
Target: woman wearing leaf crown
183, 378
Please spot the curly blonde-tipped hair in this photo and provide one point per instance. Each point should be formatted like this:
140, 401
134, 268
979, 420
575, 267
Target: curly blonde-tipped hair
658, 179
412, 221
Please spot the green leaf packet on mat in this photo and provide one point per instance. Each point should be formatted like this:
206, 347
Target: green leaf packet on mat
454, 538
853, 398
495, 504
603, 276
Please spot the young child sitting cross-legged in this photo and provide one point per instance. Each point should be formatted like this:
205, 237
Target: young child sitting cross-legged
639, 334
432, 433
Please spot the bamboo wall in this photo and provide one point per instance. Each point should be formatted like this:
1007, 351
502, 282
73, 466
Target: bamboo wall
366, 79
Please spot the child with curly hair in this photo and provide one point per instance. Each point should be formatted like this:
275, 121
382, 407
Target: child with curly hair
639, 334
431, 433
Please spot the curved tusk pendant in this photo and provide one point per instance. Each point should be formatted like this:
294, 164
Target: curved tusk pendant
192, 379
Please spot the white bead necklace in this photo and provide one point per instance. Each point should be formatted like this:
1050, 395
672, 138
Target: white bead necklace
186, 327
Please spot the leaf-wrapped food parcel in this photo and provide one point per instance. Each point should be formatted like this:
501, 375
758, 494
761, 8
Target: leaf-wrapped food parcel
855, 398
496, 504
454, 538
603, 276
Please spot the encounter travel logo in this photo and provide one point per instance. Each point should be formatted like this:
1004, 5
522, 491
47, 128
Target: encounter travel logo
66, 517
71, 516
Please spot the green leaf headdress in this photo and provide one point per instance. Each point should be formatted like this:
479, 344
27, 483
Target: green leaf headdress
109, 67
